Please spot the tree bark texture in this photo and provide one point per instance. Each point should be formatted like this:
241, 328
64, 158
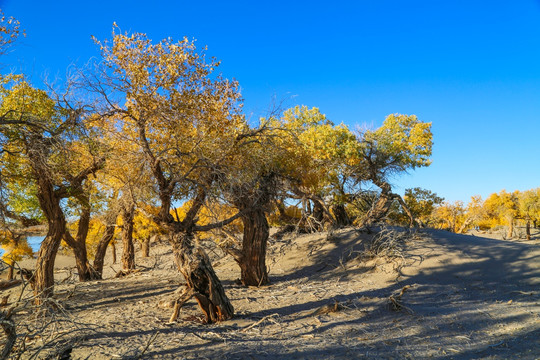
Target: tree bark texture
128, 254
379, 210
341, 216
99, 258
253, 259
510, 233
44, 273
78, 245
84, 269
528, 229
195, 266
318, 215
253, 201
145, 247
113, 252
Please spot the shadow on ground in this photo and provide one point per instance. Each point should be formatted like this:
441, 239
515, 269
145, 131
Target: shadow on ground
467, 310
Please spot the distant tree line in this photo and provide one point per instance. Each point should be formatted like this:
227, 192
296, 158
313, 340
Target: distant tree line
499, 210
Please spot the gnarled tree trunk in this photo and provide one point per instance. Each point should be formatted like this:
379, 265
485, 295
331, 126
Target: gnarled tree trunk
253, 255
128, 254
85, 270
44, 274
381, 207
379, 210
341, 216
108, 235
253, 200
194, 264
78, 245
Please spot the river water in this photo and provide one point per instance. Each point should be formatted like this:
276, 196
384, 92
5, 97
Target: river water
33, 241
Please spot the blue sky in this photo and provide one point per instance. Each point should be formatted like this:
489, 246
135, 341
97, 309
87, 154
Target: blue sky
472, 68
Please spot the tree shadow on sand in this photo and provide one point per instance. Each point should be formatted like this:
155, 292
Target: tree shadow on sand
466, 310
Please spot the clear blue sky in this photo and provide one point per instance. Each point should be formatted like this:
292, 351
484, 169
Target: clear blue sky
470, 67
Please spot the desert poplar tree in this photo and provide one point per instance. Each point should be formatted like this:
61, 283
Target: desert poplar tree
529, 204
49, 145
401, 144
186, 122
315, 154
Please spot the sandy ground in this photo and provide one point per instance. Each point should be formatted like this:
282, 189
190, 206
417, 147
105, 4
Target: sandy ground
454, 297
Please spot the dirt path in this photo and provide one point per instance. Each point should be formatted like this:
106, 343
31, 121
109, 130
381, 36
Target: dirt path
465, 297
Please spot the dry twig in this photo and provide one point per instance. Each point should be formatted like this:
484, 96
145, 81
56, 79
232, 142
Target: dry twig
150, 341
268, 317
395, 302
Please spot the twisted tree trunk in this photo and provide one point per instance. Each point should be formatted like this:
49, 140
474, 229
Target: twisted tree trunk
78, 245
318, 215
379, 210
194, 264
44, 274
190, 258
253, 255
85, 270
253, 201
108, 235
381, 207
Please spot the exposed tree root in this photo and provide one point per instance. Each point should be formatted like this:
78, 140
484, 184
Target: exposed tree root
186, 295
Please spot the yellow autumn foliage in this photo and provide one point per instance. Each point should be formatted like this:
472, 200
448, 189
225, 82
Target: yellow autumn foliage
15, 249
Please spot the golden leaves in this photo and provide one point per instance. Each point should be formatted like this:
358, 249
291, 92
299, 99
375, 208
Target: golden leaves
10, 29
402, 140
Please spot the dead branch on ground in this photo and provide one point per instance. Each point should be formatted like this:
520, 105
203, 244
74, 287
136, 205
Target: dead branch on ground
327, 309
268, 317
396, 304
